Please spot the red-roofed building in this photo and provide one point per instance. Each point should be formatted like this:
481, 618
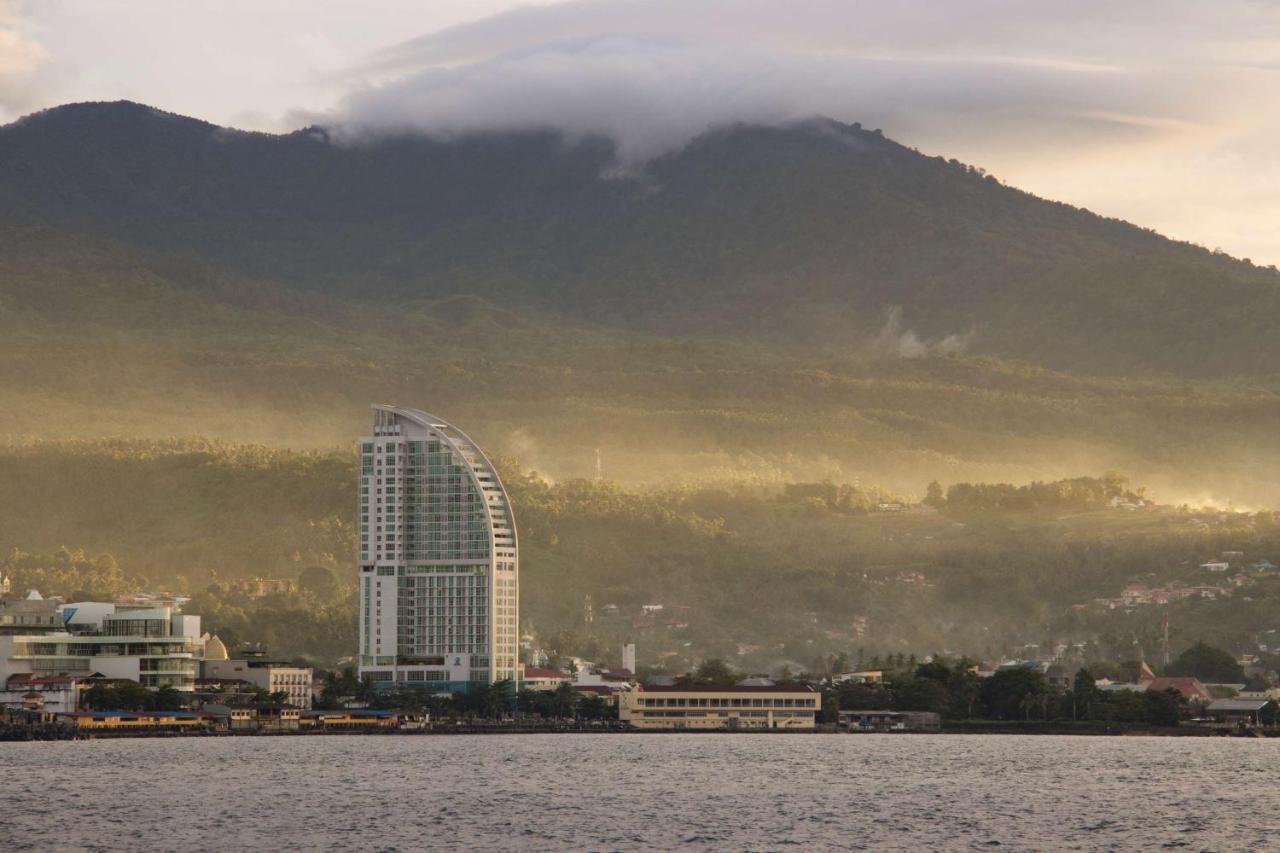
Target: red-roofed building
542, 678
1145, 675
1190, 688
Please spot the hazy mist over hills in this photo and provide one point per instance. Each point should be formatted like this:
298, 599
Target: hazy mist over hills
781, 303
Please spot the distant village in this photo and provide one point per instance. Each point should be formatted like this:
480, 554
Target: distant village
141, 665
440, 647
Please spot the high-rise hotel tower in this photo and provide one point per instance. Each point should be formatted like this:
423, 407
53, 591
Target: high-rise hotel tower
438, 570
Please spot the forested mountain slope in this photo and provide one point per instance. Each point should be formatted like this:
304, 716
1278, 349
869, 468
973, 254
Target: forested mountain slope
817, 235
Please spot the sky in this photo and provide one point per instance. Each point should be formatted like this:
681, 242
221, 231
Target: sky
1161, 112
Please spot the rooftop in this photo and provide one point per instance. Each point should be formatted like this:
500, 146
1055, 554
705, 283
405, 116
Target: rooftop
186, 715
675, 688
1239, 704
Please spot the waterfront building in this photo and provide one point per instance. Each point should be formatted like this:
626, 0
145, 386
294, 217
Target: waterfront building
1250, 712
254, 716
890, 721
438, 568
171, 721
363, 719
51, 694
272, 676
651, 706
153, 646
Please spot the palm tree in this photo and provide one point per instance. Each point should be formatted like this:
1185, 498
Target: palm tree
563, 700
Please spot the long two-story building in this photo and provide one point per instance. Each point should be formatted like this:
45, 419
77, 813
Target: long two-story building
649, 706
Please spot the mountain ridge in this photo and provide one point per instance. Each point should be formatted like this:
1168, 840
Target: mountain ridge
811, 235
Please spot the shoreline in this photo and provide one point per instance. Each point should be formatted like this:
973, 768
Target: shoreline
514, 731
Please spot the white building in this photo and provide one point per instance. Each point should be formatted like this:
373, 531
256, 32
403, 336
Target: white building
55, 694
438, 568
629, 658
271, 676
153, 646
542, 679
651, 706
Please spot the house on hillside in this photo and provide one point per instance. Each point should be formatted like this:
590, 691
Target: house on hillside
1136, 593
1215, 566
869, 676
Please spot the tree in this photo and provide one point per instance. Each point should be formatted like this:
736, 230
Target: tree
919, 694
122, 696
857, 696
933, 495
1011, 693
167, 698
366, 690
563, 700
966, 689
339, 687
1164, 707
1209, 664
321, 583
710, 673
1084, 692
595, 707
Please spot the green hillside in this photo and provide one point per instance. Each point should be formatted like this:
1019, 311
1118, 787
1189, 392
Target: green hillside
193, 322
804, 237
840, 577
129, 355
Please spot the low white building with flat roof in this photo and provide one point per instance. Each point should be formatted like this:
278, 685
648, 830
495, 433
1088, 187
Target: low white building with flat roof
271, 676
651, 706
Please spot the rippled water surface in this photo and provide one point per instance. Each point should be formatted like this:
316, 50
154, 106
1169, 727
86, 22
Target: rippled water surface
625, 792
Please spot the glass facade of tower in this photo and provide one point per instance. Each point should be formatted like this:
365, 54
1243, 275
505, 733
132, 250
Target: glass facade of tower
438, 568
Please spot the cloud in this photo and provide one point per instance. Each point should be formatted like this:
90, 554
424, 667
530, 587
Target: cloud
21, 60
654, 73
653, 95
1045, 95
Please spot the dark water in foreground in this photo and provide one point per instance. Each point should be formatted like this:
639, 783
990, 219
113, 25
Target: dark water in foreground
602, 792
